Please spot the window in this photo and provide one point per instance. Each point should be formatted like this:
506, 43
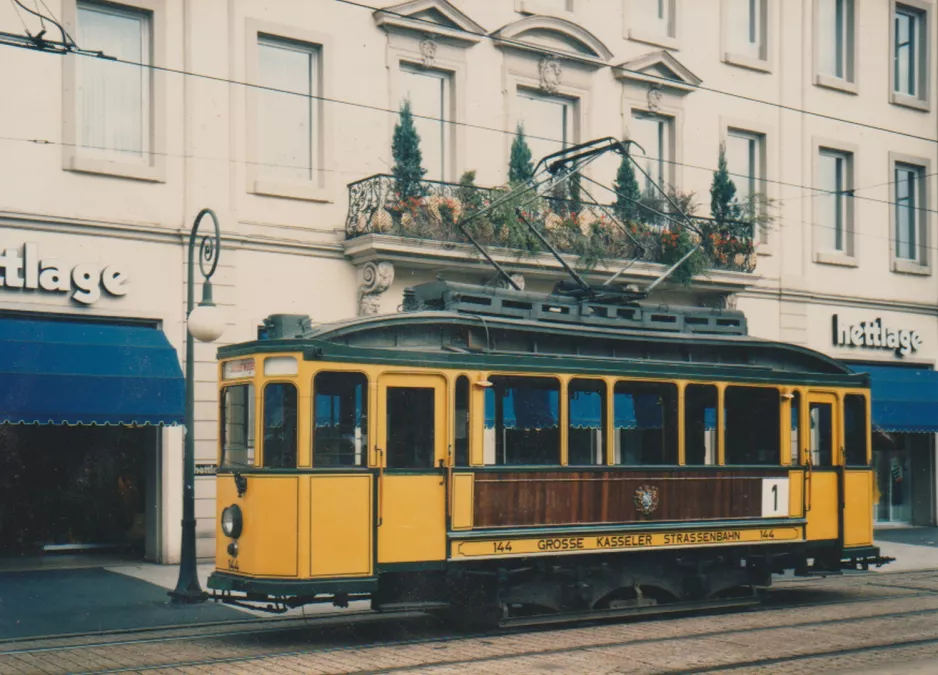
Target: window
237, 426
653, 16
744, 160
586, 433
746, 27
288, 119
835, 208
280, 426
909, 210
752, 418
523, 414
114, 99
821, 418
653, 134
547, 121
340, 411
795, 441
411, 427
462, 421
429, 94
645, 423
700, 424
855, 430
835, 39
909, 58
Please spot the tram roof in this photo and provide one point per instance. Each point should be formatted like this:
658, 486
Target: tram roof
447, 339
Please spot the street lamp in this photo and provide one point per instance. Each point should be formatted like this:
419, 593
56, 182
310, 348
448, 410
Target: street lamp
204, 324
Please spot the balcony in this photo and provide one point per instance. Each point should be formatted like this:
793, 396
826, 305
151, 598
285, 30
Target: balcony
422, 232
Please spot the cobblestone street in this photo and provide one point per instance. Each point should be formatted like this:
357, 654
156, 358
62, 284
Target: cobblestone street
863, 623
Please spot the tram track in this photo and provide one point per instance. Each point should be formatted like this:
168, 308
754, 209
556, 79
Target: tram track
256, 627
492, 635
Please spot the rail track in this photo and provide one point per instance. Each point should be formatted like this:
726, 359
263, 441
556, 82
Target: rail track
248, 641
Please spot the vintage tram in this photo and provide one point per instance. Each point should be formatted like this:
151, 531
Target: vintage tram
504, 454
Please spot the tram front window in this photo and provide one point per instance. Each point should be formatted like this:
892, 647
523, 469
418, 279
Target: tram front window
280, 426
237, 426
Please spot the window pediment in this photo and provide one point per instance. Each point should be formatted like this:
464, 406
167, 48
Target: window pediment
545, 33
660, 68
437, 18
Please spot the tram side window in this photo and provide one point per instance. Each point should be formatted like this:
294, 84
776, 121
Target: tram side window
645, 423
700, 424
795, 429
280, 426
340, 411
237, 426
586, 434
462, 422
522, 421
753, 425
855, 430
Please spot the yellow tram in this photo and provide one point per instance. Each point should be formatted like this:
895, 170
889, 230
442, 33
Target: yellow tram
513, 453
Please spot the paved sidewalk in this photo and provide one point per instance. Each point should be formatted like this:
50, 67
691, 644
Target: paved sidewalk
914, 548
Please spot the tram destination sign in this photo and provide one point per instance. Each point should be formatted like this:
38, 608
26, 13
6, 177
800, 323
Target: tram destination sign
23, 269
875, 334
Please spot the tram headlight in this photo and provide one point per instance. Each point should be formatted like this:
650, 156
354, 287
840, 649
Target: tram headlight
232, 521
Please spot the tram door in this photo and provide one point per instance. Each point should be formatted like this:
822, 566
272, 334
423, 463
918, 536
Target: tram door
410, 450
822, 490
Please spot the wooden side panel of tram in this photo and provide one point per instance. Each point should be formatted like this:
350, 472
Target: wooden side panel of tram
522, 499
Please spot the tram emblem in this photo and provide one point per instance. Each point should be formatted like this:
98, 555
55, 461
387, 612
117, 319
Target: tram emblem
646, 498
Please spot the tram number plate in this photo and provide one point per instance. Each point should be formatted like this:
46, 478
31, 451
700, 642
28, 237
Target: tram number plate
233, 564
774, 497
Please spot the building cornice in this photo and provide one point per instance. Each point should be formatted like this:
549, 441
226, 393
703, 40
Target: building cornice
814, 298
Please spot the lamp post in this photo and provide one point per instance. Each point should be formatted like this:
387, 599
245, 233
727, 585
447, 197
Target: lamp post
204, 324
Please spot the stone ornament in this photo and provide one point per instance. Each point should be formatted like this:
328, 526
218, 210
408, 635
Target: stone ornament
428, 49
376, 278
654, 96
550, 73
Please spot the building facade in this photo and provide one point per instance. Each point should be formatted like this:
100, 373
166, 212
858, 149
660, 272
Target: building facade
280, 116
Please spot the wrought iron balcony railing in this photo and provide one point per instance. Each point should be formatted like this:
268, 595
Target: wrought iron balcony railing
593, 232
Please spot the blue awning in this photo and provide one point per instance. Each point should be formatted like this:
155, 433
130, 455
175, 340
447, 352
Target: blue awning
903, 399
73, 372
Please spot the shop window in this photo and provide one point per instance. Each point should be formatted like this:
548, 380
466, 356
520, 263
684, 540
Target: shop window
821, 416
237, 426
700, 424
645, 423
522, 421
752, 416
280, 426
462, 422
340, 411
586, 432
795, 442
411, 421
855, 430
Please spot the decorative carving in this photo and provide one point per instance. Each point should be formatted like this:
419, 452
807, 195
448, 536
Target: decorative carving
376, 278
501, 282
428, 49
646, 498
654, 96
550, 73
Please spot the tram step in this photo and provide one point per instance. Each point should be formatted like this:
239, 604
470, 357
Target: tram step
541, 619
412, 606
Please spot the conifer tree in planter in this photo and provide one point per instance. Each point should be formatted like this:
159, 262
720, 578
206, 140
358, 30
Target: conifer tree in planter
628, 193
730, 235
405, 148
520, 166
724, 206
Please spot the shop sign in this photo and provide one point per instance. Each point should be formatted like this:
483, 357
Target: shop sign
26, 271
874, 335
